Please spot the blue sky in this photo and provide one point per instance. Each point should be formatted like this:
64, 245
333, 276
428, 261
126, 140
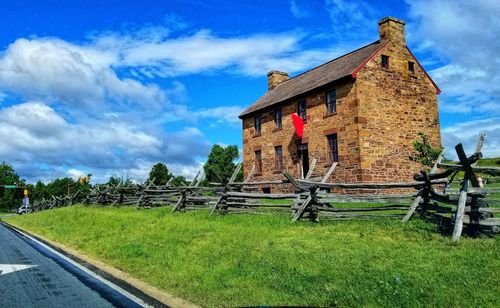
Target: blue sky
111, 87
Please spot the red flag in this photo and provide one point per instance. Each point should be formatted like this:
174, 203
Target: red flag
299, 125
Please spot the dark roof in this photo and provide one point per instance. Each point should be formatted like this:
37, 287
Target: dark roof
338, 68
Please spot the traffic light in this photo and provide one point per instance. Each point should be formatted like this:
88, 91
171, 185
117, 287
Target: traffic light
80, 180
25, 192
87, 179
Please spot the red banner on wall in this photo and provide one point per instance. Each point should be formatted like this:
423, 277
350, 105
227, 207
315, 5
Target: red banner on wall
299, 125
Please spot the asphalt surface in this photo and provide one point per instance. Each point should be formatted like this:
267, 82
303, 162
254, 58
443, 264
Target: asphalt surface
50, 280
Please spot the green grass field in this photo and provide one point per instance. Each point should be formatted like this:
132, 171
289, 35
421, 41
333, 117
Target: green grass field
247, 260
490, 162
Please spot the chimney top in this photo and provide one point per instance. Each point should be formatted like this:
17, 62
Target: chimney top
390, 18
392, 29
277, 72
274, 78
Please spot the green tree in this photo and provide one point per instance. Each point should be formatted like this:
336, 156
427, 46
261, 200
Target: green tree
220, 164
61, 187
114, 180
179, 180
38, 191
160, 174
10, 198
424, 152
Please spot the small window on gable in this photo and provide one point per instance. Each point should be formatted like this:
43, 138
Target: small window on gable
277, 118
331, 101
385, 61
258, 124
302, 109
258, 161
411, 67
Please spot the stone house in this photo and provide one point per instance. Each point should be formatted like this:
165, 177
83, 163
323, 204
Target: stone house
362, 110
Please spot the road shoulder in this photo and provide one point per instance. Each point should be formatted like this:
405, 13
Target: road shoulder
116, 276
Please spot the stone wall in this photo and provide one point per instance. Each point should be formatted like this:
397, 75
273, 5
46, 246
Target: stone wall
394, 105
318, 125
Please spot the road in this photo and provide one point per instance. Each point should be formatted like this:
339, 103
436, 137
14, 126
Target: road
34, 275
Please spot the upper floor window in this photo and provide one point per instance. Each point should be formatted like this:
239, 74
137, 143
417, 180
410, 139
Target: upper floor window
411, 67
278, 162
258, 124
331, 101
258, 161
302, 109
385, 61
333, 150
277, 118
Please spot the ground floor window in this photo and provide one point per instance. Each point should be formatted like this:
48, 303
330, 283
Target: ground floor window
258, 161
333, 152
278, 162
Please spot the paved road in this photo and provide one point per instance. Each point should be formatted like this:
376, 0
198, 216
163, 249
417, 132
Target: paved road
33, 277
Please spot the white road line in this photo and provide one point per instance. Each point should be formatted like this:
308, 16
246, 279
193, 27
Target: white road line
89, 272
11, 268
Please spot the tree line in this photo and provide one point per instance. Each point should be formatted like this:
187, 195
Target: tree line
219, 167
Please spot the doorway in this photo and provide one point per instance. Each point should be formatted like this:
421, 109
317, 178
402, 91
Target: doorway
303, 159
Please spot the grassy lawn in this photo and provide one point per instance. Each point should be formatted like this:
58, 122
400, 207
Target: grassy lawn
489, 162
247, 260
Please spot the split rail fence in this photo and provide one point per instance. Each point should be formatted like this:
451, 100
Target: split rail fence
432, 198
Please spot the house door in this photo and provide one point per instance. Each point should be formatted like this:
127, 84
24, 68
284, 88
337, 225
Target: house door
303, 159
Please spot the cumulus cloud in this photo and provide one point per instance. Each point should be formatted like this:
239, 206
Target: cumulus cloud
202, 52
91, 75
34, 132
206, 52
75, 173
467, 134
220, 115
464, 35
80, 76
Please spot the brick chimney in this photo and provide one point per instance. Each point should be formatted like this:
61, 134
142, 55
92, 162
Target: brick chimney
392, 29
274, 78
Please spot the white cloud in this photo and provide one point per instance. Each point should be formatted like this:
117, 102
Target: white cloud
75, 173
35, 133
220, 115
296, 62
204, 52
79, 76
464, 34
467, 134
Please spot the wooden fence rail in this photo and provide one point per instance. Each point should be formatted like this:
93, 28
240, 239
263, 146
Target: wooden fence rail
457, 208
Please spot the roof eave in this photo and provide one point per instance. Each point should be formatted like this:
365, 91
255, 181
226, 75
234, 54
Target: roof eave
357, 69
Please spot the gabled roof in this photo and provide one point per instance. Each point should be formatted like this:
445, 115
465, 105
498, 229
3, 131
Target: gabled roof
346, 65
